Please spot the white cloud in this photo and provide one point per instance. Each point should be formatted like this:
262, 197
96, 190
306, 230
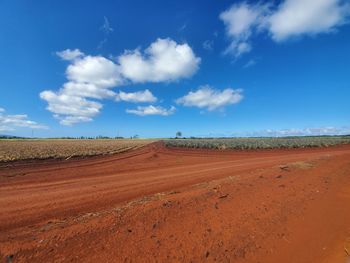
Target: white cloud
240, 48
94, 77
70, 120
211, 99
70, 109
327, 131
86, 90
70, 54
300, 17
95, 70
240, 21
152, 110
163, 60
11, 122
139, 96
289, 19
303, 132
88, 77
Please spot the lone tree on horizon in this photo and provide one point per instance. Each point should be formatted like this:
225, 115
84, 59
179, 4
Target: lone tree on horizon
178, 134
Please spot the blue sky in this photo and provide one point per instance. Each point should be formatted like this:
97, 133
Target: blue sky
206, 68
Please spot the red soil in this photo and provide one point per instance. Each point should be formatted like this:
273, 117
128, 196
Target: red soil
179, 205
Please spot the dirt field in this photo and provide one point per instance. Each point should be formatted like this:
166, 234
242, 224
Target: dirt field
14, 150
158, 204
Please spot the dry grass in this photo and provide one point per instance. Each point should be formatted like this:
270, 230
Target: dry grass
13, 150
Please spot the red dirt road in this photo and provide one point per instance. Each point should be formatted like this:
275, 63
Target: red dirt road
178, 205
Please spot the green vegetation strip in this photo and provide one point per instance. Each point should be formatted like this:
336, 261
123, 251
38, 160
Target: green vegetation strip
259, 143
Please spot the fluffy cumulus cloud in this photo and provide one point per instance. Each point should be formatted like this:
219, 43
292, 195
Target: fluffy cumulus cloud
11, 122
89, 78
163, 60
152, 110
95, 70
93, 78
241, 20
139, 96
211, 99
70, 109
299, 17
291, 18
86, 90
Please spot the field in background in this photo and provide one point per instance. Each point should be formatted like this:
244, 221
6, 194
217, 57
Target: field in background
28, 149
259, 143
13, 150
